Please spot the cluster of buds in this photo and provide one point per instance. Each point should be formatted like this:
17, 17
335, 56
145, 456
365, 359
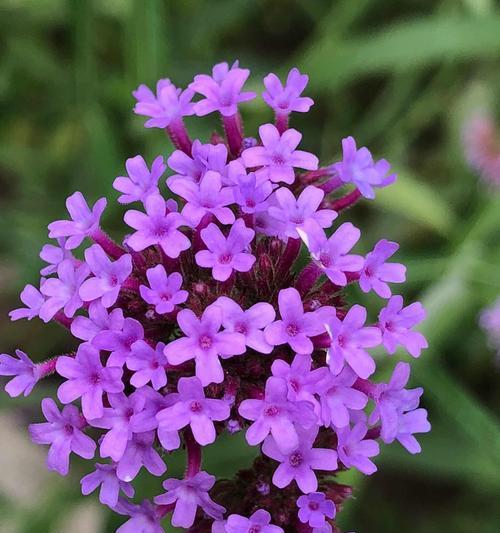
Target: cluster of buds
224, 310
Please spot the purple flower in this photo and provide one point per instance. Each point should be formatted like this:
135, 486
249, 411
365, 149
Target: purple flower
164, 290
119, 340
140, 182
251, 193
314, 509
157, 226
188, 494
193, 409
276, 415
144, 518
84, 221
204, 157
54, 256
249, 323
86, 328
63, 292
286, 99
377, 273
348, 342
222, 90
148, 364
140, 452
332, 254
303, 383
23, 369
295, 326
104, 476
207, 196
340, 396
204, 343
410, 423
33, 299
226, 254
88, 379
358, 167
278, 155
64, 432
120, 419
354, 450
395, 323
299, 463
259, 522
295, 212
168, 106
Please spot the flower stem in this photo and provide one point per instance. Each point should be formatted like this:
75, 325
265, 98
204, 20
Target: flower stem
193, 450
178, 134
346, 201
113, 249
281, 122
307, 278
46, 368
234, 134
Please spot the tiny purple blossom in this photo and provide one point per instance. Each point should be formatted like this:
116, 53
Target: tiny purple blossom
251, 193
204, 157
168, 106
63, 292
339, 396
314, 509
144, 518
358, 167
489, 321
222, 90
99, 319
226, 254
348, 340
88, 379
285, 99
278, 155
207, 196
104, 476
109, 276
395, 323
376, 272
54, 256
194, 409
410, 423
84, 221
299, 463
119, 340
295, 326
64, 432
354, 450
140, 452
276, 415
295, 212
303, 383
157, 226
259, 522
332, 254
33, 299
23, 369
249, 323
120, 419
204, 343
140, 182
148, 365
164, 291
188, 494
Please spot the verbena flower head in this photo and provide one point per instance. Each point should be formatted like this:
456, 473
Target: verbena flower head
222, 310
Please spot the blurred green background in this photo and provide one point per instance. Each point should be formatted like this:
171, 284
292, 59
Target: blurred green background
399, 75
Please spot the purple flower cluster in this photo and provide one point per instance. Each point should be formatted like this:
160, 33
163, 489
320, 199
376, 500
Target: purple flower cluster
489, 321
204, 321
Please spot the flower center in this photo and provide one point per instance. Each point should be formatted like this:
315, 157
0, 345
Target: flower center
195, 407
166, 296
129, 413
225, 259
294, 384
95, 378
113, 280
255, 529
69, 429
325, 259
250, 203
295, 459
241, 328
278, 160
341, 341
314, 506
272, 410
292, 329
206, 342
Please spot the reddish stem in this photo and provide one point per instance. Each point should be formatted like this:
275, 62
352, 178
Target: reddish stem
331, 185
289, 256
193, 450
346, 201
63, 320
113, 249
307, 278
46, 368
281, 121
178, 134
234, 133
